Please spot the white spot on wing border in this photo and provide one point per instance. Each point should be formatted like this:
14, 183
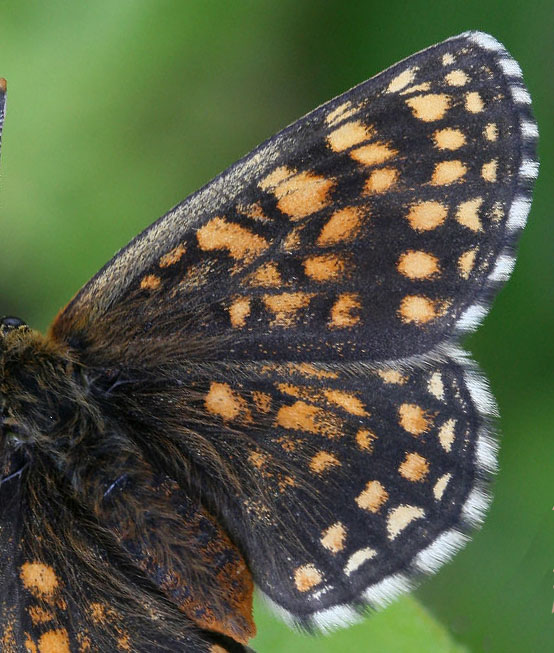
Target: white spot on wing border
440, 551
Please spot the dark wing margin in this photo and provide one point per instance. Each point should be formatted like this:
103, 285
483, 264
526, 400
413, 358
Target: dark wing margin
375, 227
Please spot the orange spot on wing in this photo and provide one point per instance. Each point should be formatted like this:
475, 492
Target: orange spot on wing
373, 154
302, 416
286, 306
324, 267
429, 107
266, 276
466, 261
275, 177
491, 132
323, 461
54, 641
240, 242
172, 257
239, 311
98, 612
303, 194
447, 172
342, 112
254, 212
418, 265
295, 391
467, 214
348, 135
345, 311
309, 370
473, 102
427, 215
349, 402
488, 171
222, 401
342, 226
307, 577
373, 497
449, 139
417, 309
456, 78
30, 646
39, 579
298, 194
401, 81
365, 439
414, 419
150, 282
414, 467
39, 615
381, 180
334, 538
392, 376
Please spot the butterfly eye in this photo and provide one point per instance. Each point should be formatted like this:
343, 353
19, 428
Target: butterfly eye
8, 323
11, 323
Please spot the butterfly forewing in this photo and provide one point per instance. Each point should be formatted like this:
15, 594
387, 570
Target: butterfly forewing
371, 228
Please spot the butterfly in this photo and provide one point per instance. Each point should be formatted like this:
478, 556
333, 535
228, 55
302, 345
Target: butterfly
265, 387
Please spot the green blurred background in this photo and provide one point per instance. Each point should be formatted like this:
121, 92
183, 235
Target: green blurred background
118, 109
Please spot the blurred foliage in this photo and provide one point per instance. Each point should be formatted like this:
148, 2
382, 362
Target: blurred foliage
117, 110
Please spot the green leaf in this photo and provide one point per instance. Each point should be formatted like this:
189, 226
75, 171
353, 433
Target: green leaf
405, 626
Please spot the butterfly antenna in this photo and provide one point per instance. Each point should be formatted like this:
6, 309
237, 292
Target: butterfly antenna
3, 90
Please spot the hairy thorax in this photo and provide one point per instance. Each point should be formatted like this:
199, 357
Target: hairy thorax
45, 402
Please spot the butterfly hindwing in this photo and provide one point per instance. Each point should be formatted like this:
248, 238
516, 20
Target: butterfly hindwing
181, 549
375, 227
359, 477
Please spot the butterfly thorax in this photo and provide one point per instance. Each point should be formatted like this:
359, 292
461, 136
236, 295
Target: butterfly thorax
43, 392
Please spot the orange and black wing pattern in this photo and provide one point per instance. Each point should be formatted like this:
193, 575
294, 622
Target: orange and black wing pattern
274, 379
376, 227
298, 316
